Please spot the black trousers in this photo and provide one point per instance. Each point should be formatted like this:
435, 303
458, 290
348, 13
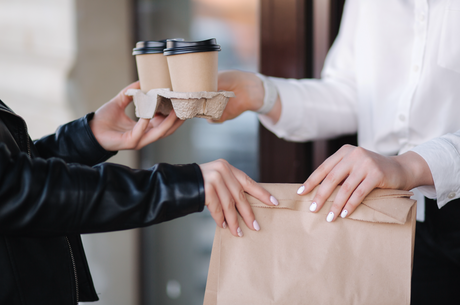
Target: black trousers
436, 271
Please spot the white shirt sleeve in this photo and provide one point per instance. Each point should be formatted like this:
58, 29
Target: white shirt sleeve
325, 108
443, 157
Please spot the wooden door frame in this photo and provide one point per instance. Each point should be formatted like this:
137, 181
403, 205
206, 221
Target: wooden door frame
286, 50
286, 33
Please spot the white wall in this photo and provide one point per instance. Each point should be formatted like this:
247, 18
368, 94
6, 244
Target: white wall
60, 59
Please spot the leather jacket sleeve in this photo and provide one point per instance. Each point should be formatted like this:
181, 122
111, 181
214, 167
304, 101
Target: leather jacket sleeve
74, 142
49, 197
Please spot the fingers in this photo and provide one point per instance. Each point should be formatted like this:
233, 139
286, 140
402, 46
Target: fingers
331, 175
138, 131
363, 189
217, 195
236, 191
356, 169
327, 187
226, 80
229, 206
215, 209
176, 125
230, 185
253, 188
160, 128
323, 170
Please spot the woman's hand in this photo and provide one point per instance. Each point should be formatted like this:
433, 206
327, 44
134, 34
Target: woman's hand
225, 188
115, 130
249, 91
360, 171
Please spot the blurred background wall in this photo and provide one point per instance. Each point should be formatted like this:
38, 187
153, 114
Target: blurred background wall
60, 59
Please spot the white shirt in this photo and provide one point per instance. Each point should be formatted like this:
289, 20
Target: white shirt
393, 76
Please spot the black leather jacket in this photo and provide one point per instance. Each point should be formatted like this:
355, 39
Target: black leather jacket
54, 189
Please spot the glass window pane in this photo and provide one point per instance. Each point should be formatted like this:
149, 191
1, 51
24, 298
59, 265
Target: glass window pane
176, 254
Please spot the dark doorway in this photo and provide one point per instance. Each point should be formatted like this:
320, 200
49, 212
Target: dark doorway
291, 23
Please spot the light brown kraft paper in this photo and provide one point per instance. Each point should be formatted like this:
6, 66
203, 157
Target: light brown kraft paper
153, 72
299, 258
193, 72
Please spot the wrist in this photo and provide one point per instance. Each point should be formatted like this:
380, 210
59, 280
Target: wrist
255, 90
269, 96
416, 171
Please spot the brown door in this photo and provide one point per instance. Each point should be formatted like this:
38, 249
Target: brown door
287, 42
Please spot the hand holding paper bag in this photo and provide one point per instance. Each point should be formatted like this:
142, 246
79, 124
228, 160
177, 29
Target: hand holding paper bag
298, 258
360, 171
225, 188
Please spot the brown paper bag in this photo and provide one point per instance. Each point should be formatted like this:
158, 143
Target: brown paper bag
299, 258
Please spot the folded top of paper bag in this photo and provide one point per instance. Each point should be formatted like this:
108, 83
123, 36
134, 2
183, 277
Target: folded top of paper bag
381, 205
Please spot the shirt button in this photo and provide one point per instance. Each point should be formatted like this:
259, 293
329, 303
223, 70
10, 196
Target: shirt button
402, 117
415, 68
422, 17
451, 195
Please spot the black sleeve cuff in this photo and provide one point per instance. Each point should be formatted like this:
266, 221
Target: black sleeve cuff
74, 142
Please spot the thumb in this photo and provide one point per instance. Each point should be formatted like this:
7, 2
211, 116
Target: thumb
124, 99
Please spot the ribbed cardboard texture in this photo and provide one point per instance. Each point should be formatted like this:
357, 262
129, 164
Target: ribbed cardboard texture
187, 105
299, 258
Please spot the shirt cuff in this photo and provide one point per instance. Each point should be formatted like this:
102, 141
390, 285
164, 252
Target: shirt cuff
291, 115
443, 160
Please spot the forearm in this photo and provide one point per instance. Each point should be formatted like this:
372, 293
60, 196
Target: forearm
50, 197
310, 109
74, 142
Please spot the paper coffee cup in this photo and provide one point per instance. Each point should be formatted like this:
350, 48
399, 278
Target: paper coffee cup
193, 65
152, 67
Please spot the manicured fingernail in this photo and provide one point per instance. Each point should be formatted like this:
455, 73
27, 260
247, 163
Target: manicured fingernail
301, 189
240, 232
344, 213
274, 201
224, 225
313, 206
256, 225
330, 216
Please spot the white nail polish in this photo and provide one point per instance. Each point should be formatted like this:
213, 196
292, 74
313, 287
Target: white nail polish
274, 200
256, 225
330, 216
240, 232
344, 214
313, 206
300, 190
224, 225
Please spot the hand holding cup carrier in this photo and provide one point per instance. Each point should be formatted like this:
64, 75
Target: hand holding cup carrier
189, 69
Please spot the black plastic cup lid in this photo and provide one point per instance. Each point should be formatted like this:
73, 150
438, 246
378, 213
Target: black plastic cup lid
151, 46
175, 47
